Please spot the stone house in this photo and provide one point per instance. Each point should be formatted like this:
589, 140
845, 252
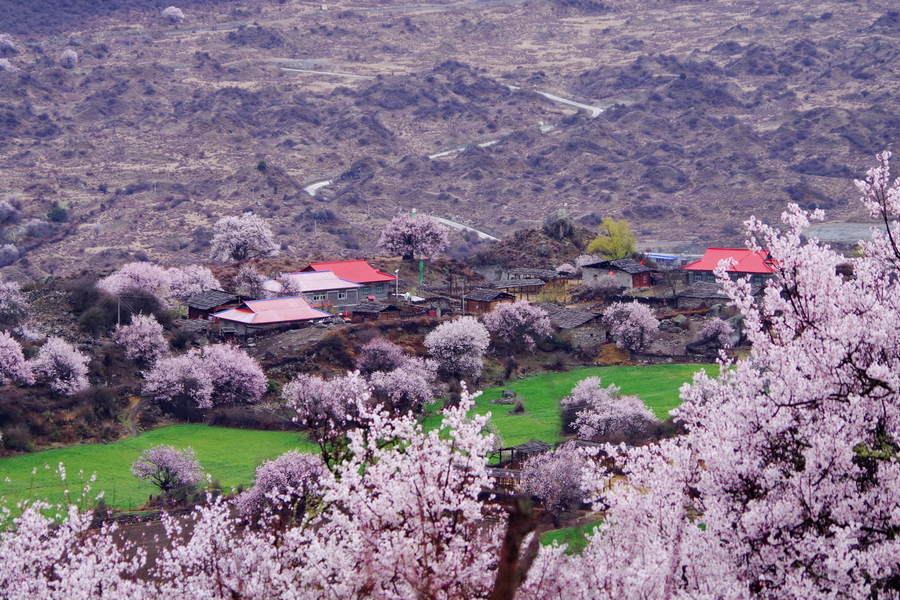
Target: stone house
628, 272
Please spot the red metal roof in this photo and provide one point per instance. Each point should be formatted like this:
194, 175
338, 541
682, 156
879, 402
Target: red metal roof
353, 270
747, 261
276, 310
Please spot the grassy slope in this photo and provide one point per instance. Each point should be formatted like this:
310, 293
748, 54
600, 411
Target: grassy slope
232, 455
657, 386
229, 455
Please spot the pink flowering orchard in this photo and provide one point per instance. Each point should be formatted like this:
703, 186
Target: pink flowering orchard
785, 486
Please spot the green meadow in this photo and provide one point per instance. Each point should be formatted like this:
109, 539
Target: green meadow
230, 456
656, 385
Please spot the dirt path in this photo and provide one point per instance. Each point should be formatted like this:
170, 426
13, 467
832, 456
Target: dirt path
135, 405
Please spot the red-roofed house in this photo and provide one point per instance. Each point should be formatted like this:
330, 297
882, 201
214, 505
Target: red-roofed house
374, 282
255, 314
757, 265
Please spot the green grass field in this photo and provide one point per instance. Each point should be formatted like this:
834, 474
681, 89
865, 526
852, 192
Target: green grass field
574, 537
656, 385
230, 456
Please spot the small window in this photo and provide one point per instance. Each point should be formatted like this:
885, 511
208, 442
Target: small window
342, 295
366, 290
318, 297
379, 288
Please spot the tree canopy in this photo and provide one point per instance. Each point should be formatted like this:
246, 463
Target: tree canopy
615, 240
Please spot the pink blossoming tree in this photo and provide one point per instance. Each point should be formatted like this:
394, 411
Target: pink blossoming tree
717, 333
143, 339
632, 323
184, 282
237, 377
556, 479
458, 346
409, 387
409, 237
285, 486
243, 237
217, 375
62, 365
173, 14
13, 366
595, 411
181, 381
69, 57
380, 354
518, 326
174, 472
13, 305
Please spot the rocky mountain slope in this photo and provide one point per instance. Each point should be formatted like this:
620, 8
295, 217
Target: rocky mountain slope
713, 112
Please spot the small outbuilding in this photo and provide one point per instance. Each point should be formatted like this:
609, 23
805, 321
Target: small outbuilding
628, 272
365, 312
202, 305
484, 300
522, 452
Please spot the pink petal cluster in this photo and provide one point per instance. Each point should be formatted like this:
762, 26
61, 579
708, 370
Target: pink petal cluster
142, 339
13, 306
380, 354
13, 366
168, 468
216, 375
63, 365
632, 323
603, 411
290, 480
718, 333
458, 346
518, 325
243, 237
168, 286
556, 478
409, 237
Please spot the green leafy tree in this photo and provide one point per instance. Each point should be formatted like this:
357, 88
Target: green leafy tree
616, 240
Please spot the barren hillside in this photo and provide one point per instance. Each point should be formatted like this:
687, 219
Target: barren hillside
712, 112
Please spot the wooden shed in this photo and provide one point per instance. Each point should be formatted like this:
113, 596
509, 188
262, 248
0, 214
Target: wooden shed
483, 300
373, 311
202, 305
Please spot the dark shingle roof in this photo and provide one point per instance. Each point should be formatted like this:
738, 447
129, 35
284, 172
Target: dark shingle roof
705, 290
210, 299
567, 318
517, 283
372, 308
487, 295
523, 273
629, 265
